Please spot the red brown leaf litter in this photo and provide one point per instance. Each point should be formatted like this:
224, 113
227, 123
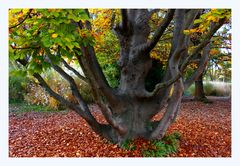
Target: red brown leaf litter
205, 131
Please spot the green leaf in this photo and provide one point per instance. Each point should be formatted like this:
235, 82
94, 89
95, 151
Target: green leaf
51, 31
46, 41
18, 73
197, 21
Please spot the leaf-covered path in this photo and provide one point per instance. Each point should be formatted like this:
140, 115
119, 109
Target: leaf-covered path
205, 130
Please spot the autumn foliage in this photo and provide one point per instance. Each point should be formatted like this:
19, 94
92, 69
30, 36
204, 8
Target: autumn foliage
136, 65
65, 134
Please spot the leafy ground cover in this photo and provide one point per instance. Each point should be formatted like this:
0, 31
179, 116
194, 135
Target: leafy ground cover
205, 131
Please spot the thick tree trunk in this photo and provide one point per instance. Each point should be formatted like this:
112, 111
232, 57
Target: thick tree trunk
199, 94
130, 108
138, 105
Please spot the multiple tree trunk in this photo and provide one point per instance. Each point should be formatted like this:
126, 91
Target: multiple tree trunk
129, 108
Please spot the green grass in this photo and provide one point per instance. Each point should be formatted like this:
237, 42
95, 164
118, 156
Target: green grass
162, 148
169, 144
21, 107
128, 145
211, 89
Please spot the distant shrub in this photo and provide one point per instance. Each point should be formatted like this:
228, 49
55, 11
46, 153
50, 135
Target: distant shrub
107, 55
209, 89
112, 74
37, 95
190, 91
85, 91
222, 89
17, 86
212, 89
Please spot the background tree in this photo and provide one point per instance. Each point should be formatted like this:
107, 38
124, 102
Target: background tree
41, 39
215, 46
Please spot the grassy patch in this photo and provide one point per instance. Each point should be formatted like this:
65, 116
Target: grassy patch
211, 89
162, 148
155, 148
128, 145
21, 107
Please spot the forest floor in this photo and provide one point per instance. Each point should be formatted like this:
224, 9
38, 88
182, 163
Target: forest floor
205, 130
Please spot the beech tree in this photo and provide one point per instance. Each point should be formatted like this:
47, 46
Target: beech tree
41, 39
220, 50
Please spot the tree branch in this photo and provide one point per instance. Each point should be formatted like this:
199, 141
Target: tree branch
28, 14
83, 111
204, 42
74, 71
159, 32
91, 65
170, 113
201, 66
224, 47
52, 93
105, 108
166, 84
87, 23
179, 46
190, 16
124, 24
153, 11
107, 113
23, 48
113, 19
72, 84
